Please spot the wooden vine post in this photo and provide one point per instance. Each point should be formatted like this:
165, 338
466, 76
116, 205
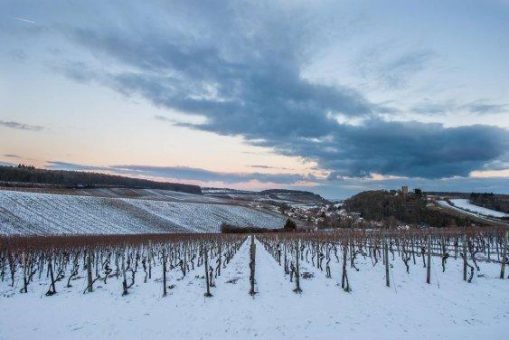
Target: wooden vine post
165, 286
464, 245
386, 255
428, 265
297, 289
207, 278
344, 276
89, 272
504, 255
252, 266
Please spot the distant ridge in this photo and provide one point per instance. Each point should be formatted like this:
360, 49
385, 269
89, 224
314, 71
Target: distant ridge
28, 175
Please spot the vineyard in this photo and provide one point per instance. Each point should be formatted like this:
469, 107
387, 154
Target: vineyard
48, 214
375, 276
68, 259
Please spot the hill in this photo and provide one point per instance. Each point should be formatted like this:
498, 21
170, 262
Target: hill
296, 195
278, 198
410, 208
28, 175
158, 211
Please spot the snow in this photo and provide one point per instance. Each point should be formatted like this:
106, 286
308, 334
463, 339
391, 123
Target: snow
447, 309
199, 217
466, 205
41, 213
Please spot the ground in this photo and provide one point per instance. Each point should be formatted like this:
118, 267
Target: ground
447, 309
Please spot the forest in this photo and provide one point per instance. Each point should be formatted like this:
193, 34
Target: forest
491, 201
29, 175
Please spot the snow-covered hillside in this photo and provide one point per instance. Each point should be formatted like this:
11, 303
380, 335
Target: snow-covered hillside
41, 213
466, 205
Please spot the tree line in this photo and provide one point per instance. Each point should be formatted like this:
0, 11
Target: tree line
491, 201
29, 175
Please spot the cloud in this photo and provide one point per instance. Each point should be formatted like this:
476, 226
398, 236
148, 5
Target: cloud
429, 107
390, 66
264, 99
244, 97
240, 65
183, 173
188, 173
481, 107
399, 70
20, 126
57, 165
261, 166
24, 20
408, 149
10, 155
484, 107
164, 119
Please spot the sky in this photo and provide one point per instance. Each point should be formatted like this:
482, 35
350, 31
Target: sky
334, 97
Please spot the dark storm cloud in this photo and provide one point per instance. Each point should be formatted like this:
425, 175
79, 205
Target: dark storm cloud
240, 65
413, 149
257, 98
20, 126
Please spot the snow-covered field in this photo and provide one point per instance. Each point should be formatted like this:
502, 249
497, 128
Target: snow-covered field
466, 205
41, 213
447, 309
